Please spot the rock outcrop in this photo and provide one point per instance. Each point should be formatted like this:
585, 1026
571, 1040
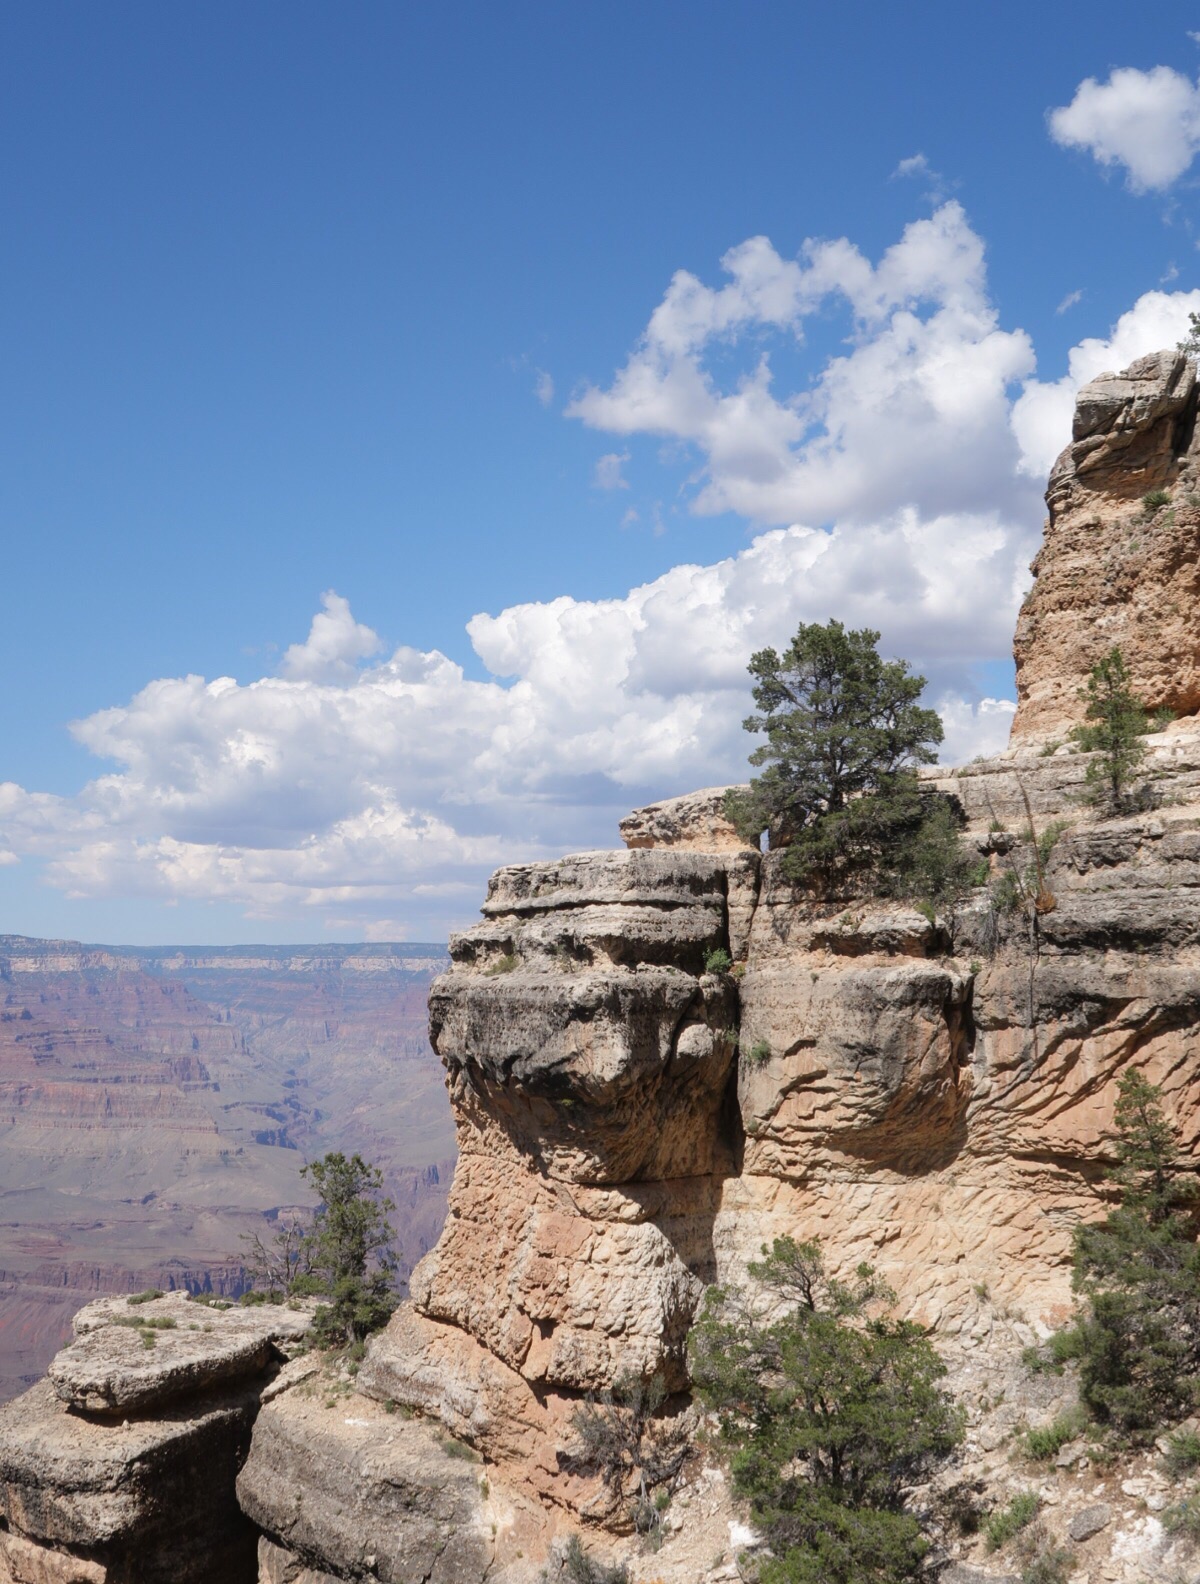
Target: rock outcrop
1120, 561
660, 1058
120, 1468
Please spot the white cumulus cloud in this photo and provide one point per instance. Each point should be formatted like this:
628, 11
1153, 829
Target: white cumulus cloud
896, 485
1148, 122
334, 646
914, 413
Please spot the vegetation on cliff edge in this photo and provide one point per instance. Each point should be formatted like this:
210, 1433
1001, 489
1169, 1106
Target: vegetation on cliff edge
831, 1413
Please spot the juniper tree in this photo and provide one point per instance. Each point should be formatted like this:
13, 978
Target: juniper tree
830, 1413
1138, 1272
348, 1251
844, 735
1115, 723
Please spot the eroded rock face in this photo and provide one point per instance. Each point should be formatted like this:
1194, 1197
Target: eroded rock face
696, 821
120, 1467
145, 1501
360, 1493
135, 1355
1115, 568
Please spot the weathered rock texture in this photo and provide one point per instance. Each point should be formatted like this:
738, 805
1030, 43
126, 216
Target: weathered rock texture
934, 1097
120, 1468
696, 821
359, 1493
1116, 567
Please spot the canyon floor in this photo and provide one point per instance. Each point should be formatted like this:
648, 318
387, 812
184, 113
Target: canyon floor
156, 1105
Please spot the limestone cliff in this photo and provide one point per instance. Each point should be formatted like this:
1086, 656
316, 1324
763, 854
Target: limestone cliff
1120, 562
662, 1056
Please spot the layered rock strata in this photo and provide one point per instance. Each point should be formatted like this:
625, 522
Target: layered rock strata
120, 1468
1120, 559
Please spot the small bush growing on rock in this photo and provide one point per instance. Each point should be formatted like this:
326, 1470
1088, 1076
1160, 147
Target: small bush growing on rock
758, 1053
1138, 1273
718, 961
1048, 1565
1183, 1453
1046, 1441
502, 965
1153, 499
580, 1567
831, 1414
150, 1294
1053, 1355
1183, 1518
624, 1438
1009, 1520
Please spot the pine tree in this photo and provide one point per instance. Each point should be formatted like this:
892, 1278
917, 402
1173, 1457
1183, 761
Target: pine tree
1116, 721
831, 1414
1139, 1274
348, 1252
844, 735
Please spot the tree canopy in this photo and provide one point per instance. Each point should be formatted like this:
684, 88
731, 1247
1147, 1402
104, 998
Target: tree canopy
1115, 723
1139, 1274
831, 1414
844, 735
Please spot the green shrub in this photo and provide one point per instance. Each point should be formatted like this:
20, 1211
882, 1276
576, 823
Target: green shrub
502, 965
1048, 1566
718, 961
1184, 1518
1153, 499
150, 1294
1055, 1352
1139, 1274
1046, 1441
758, 1053
1008, 1521
580, 1567
1183, 1453
832, 1413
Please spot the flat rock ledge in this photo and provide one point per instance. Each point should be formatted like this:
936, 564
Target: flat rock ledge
133, 1356
141, 1501
343, 1489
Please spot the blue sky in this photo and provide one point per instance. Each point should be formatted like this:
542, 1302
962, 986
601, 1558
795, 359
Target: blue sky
304, 300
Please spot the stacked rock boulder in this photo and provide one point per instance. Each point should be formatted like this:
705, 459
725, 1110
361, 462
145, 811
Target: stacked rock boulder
119, 1468
1120, 558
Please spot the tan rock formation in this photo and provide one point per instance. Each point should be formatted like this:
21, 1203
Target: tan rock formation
1116, 568
695, 822
120, 1468
355, 1492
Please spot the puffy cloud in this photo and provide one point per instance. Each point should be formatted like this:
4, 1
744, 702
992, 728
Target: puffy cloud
390, 793
915, 413
335, 644
607, 474
1041, 415
1146, 121
375, 790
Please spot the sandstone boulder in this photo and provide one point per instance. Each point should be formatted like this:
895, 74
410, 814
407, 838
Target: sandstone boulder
131, 1356
356, 1492
143, 1501
696, 822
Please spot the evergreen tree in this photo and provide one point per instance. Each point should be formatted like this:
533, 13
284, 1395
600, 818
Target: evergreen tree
831, 1414
844, 734
1116, 721
1139, 1274
348, 1252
